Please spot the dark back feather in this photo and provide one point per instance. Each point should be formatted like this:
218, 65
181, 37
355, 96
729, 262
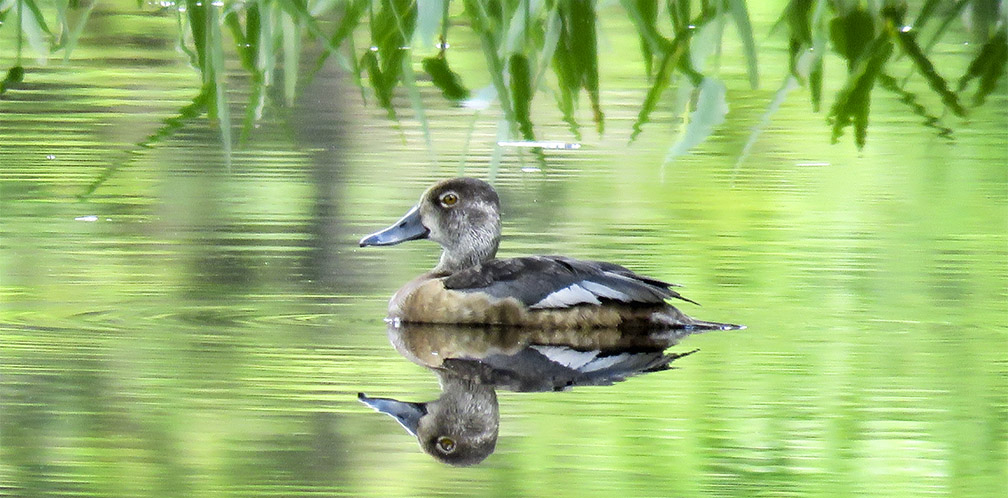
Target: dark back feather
559, 282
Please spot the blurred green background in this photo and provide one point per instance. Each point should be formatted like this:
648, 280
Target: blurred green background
179, 321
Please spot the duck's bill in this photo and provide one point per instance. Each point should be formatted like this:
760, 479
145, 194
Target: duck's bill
408, 414
408, 227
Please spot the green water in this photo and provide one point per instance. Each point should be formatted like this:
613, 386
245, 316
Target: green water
198, 329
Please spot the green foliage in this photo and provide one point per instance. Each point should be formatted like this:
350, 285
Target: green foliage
210, 51
552, 45
798, 16
907, 41
854, 37
444, 78
675, 55
988, 66
521, 93
392, 24
575, 60
189, 112
868, 41
910, 100
739, 13
14, 76
711, 109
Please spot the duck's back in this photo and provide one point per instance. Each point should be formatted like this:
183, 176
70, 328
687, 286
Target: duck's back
544, 291
556, 282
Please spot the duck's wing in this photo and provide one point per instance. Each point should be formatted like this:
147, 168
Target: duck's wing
542, 368
549, 282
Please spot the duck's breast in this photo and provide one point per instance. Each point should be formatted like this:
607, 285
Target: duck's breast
426, 300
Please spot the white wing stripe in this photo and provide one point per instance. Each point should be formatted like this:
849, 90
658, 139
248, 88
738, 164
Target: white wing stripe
602, 290
568, 296
567, 357
582, 361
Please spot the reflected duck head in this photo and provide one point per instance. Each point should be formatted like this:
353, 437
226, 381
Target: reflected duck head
459, 428
460, 214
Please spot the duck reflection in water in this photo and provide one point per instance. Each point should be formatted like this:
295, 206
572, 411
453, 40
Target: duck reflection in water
460, 427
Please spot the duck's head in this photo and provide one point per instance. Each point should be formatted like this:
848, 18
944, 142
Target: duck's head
460, 214
459, 428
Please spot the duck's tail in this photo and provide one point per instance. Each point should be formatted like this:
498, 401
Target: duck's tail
700, 325
675, 319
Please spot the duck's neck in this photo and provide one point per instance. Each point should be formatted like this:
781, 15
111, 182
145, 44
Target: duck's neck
453, 261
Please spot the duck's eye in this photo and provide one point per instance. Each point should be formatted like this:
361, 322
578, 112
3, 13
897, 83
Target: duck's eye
449, 199
446, 444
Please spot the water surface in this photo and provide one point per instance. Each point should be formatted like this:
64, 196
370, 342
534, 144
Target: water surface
193, 328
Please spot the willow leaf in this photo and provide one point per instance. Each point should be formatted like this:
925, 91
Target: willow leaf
646, 25
710, 111
37, 16
14, 76
409, 81
583, 19
74, 17
789, 84
911, 101
218, 78
487, 27
291, 45
192, 110
658, 86
852, 103
429, 14
448, 81
245, 44
353, 11
676, 56
647, 14
379, 82
521, 93
815, 79
196, 12
576, 43
740, 15
852, 35
910, 47
988, 66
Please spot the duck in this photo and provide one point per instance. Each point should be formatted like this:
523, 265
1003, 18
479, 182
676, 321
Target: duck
471, 286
